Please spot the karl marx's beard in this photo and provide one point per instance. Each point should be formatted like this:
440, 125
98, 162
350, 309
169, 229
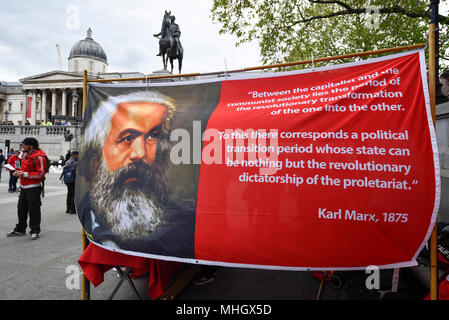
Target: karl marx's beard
130, 199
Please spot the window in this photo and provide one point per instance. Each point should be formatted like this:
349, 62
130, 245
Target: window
21, 106
91, 66
9, 106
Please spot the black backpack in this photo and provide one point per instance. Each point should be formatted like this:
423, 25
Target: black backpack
47, 169
69, 173
47, 162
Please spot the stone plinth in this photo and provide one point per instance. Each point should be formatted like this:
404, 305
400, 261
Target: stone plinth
162, 72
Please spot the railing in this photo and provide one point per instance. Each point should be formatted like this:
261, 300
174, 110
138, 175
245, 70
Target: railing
37, 130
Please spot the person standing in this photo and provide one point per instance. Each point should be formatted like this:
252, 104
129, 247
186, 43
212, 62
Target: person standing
2, 160
68, 155
68, 175
10, 153
31, 174
14, 161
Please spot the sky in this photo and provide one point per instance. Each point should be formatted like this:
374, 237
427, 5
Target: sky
31, 30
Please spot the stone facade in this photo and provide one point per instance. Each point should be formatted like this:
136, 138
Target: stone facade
51, 138
93, 66
50, 94
12, 101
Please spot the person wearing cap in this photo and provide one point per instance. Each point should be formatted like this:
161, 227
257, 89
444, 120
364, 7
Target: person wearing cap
31, 174
70, 200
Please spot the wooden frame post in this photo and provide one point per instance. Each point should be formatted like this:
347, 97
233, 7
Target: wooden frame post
85, 285
433, 40
432, 94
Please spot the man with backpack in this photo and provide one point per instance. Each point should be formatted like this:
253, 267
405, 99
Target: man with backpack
31, 174
68, 175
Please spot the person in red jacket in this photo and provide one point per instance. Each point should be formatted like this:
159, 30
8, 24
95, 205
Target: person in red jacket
31, 174
14, 161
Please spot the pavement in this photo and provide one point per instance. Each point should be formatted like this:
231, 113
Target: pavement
47, 269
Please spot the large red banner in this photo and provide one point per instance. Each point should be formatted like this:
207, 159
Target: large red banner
329, 169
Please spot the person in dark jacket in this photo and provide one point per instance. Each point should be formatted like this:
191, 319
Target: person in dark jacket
70, 200
68, 155
2, 160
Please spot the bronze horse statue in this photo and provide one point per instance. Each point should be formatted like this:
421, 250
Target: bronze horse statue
169, 48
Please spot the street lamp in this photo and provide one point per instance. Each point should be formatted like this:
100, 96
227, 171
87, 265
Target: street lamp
6, 116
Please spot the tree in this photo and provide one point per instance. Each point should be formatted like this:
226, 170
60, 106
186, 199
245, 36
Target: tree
289, 30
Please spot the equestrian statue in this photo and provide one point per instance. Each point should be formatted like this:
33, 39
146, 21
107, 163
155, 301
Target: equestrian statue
169, 45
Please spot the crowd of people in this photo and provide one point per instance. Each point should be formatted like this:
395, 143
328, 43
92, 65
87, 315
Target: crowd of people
28, 167
7, 123
39, 123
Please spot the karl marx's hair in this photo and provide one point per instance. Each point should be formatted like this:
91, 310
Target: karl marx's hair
97, 130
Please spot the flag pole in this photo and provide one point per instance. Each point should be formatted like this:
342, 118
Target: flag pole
433, 67
85, 286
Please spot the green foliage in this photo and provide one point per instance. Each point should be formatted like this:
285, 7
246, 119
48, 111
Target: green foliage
290, 30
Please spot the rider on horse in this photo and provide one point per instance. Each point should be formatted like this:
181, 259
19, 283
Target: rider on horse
175, 32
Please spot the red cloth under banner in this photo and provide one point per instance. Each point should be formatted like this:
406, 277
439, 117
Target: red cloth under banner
96, 261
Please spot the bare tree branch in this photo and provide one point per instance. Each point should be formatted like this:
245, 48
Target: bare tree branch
350, 11
344, 5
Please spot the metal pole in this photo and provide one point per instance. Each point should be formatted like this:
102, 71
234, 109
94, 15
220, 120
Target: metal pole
435, 21
85, 285
433, 76
84, 92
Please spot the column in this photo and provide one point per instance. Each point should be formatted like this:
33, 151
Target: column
2, 111
75, 97
44, 105
53, 103
64, 102
33, 108
24, 111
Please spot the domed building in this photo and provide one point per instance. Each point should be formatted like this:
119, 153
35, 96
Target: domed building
41, 97
88, 55
54, 96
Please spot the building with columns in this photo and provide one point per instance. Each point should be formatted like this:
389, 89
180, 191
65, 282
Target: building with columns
56, 93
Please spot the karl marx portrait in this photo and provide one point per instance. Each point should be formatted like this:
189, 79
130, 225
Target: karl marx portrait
124, 156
